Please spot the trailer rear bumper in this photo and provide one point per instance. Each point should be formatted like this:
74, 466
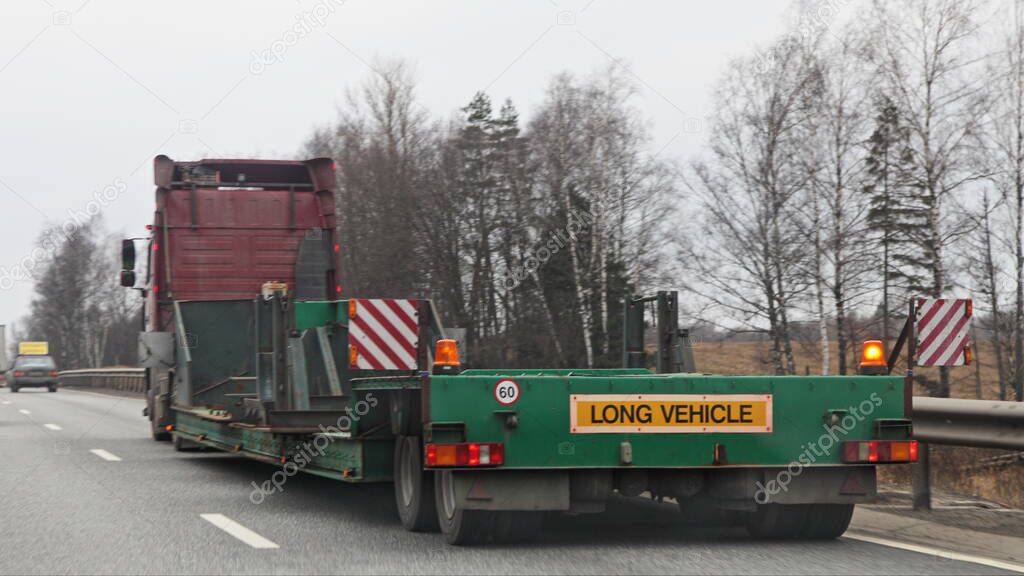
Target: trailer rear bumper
734, 488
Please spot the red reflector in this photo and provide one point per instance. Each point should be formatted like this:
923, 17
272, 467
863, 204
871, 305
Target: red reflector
465, 454
54, 373
155, 246
19, 373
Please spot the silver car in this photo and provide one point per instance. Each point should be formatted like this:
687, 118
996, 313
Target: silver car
32, 372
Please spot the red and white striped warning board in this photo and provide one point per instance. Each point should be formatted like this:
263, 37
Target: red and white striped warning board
942, 331
383, 334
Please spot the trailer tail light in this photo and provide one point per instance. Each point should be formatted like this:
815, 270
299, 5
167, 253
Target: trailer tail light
54, 373
19, 373
467, 454
879, 451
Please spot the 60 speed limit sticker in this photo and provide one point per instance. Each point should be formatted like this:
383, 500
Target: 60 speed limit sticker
506, 392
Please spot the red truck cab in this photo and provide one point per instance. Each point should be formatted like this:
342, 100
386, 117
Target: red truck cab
221, 230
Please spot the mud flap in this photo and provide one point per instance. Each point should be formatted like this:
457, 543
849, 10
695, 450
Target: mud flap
825, 485
519, 490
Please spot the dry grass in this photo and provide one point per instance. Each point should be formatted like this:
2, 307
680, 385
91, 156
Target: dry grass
954, 469
754, 358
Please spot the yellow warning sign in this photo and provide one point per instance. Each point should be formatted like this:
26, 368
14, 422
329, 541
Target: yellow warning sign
33, 348
670, 413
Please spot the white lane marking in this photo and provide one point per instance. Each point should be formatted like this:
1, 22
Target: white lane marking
947, 554
238, 531
25, 412
52, 427
105, 455
5, 402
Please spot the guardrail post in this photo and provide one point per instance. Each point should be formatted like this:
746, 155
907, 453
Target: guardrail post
923, 478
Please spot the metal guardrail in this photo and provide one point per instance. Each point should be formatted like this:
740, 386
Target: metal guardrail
124, 379
977, 423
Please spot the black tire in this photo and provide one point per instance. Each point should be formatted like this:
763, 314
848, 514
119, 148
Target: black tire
518, 527
414, 487
52, 389
827, 521
14, 389
461, 527
778, 521
159, 434
182, 445
704, 512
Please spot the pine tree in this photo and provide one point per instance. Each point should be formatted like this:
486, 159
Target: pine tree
897, 217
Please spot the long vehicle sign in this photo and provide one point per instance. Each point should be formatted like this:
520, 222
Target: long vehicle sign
670, 413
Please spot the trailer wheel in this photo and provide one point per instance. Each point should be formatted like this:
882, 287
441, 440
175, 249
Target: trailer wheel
461, 527
827, 521
518, 527
414, 487
183, 445
778, 521
158, 434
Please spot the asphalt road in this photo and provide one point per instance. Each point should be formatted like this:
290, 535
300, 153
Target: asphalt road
137, 507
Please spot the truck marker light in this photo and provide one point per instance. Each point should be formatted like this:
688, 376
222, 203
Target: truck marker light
169, 427
337, 290
337, 248
353, 356
353, 307
469, 454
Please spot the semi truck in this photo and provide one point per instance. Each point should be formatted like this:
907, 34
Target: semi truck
251, 346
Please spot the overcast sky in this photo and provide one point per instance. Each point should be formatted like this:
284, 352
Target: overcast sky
91, 90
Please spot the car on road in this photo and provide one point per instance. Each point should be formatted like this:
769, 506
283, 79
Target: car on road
32, 372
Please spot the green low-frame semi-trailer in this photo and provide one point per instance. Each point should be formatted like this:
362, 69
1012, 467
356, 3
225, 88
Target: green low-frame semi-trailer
483, 454
249, 348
